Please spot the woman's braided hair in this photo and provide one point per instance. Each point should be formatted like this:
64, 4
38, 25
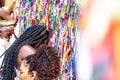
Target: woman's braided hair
33, 36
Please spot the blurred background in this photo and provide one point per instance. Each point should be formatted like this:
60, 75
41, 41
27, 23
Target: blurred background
98, 45
87, 32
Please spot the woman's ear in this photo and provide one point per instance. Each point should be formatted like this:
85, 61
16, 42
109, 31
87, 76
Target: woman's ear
33, 75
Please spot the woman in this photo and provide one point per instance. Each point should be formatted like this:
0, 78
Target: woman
43, 65
33, 37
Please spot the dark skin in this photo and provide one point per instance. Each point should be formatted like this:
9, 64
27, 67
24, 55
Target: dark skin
1, 69
23, 52
36, 67
27, 50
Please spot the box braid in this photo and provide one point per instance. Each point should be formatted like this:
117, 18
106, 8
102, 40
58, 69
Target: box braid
33, 36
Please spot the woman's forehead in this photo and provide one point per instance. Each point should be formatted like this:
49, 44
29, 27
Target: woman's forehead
26, 50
